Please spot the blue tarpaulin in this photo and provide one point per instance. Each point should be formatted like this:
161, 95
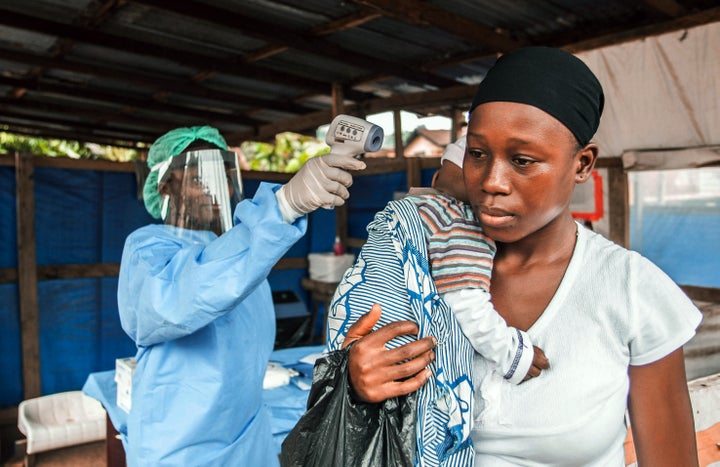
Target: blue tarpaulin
83, 217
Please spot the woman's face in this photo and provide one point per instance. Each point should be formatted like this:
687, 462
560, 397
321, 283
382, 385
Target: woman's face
520, 169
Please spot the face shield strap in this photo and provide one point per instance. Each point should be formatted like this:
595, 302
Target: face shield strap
164, 207
161, 168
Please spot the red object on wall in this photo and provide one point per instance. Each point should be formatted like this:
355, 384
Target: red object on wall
597, 211
338, 247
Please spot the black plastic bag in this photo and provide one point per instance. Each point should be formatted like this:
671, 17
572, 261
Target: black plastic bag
339, 431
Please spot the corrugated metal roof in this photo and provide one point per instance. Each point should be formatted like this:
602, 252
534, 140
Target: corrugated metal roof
126, 69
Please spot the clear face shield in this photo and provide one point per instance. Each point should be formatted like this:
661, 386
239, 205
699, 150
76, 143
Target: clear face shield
200, 190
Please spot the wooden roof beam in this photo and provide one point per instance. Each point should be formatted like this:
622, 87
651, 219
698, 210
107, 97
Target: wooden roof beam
350, 21
125, 44
41, 130
20, 114
91, 114
274, 34
669, 8
95, 15
340, 24
455, 96
625, 35
423, 13
157, 83
125, 100
73, 136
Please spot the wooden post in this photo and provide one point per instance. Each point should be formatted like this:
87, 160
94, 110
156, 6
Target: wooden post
414, 176
618, 228
410, 162
341, 212
338, 99
397, 122
27, 275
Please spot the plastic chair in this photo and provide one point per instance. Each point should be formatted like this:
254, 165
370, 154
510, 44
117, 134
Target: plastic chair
60, 420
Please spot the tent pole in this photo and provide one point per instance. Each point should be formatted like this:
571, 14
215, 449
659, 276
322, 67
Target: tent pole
618, 229
27, 275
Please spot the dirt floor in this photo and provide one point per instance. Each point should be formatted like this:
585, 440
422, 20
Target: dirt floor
84, 455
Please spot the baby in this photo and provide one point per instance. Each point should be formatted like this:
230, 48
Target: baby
461, 261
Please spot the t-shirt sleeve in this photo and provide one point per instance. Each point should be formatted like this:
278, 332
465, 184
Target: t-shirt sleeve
663, 318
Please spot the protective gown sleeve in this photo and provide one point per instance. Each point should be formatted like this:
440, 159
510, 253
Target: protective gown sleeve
172, 285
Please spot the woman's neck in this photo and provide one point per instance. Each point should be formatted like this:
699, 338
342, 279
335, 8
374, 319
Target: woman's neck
552, 243
527, 273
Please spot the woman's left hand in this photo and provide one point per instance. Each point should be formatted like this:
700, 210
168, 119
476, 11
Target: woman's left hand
376, 373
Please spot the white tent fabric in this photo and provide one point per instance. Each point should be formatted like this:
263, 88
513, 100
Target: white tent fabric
663, 113
662, 92
671, 159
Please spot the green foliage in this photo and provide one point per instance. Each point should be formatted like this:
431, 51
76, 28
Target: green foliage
288, 154
11, 143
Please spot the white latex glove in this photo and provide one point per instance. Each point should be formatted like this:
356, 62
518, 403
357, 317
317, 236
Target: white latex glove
321, 182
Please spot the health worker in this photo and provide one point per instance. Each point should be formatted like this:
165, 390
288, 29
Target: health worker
194, 297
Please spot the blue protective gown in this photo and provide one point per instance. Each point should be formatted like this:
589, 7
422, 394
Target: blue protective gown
200, 310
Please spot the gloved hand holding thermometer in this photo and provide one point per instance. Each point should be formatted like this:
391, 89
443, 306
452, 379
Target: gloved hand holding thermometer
323, 181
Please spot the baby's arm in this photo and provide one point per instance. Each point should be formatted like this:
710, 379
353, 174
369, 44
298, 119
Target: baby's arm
508, 349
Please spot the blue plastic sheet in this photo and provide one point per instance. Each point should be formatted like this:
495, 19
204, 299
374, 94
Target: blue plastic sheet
83, 217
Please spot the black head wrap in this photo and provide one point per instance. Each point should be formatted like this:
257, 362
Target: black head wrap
553, 80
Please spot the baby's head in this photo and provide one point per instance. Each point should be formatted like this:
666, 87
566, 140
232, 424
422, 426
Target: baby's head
449, 177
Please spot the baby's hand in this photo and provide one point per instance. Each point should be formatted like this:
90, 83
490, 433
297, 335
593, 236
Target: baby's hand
539, 363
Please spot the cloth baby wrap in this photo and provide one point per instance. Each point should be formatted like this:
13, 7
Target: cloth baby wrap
392, 269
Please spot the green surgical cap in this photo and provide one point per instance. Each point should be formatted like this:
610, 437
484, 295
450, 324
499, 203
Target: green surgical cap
168, 145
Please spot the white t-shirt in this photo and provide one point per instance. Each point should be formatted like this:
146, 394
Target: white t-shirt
613, 308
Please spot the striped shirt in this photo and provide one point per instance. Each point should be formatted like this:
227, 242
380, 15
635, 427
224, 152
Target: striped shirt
461, 255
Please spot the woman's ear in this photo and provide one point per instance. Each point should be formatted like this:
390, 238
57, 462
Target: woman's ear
585, 160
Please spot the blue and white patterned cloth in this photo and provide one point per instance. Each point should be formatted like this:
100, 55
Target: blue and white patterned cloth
392, 270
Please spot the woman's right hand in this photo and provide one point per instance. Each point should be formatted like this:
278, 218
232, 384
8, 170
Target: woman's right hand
376, 373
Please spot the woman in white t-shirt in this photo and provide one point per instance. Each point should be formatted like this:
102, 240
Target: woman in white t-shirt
611, 323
